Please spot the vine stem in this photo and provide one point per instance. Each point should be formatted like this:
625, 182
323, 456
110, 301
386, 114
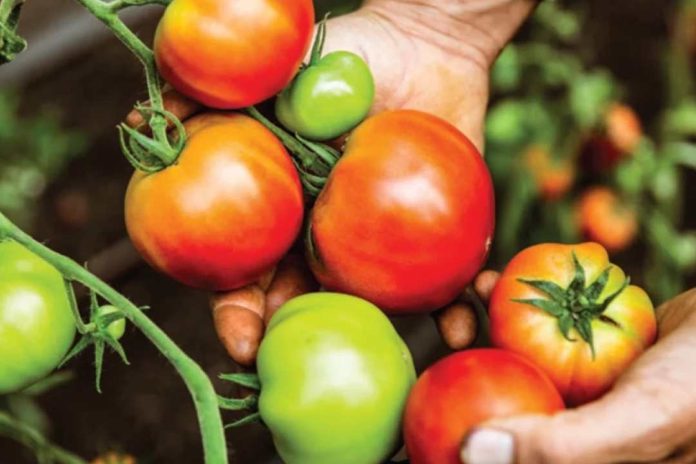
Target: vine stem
31, 438
197, 382
107, 13
5, 9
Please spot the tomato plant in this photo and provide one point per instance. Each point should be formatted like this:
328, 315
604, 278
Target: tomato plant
574, 314
553, 177
328, 98
225, 213
605, 219
406, 218
334, 378
233, 54
36, 322
468, 388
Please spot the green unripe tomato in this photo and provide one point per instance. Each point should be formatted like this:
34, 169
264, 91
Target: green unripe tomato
335, 376
36, 322
118, 327
328, 98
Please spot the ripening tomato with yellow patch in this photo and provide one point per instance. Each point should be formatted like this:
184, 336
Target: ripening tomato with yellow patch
574, 314
225, 213
232, 54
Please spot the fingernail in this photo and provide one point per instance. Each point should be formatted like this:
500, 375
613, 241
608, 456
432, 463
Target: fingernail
488, 446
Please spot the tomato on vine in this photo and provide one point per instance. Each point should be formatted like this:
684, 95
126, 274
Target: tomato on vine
223, 214
465, 389
37, 325
406, 218
334, 378
233, 54
574, 314
604, 218
329, 97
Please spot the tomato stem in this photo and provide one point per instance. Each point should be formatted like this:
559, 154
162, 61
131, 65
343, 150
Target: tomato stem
107, 13
314, 161
198, 383
33, 439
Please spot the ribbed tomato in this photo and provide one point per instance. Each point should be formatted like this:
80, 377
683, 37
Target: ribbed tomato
572, 312
231, 54
225, 212
406, 218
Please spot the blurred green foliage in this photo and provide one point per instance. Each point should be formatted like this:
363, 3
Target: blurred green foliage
547, 96
34, 150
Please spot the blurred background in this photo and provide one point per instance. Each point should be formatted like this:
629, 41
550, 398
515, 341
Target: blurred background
591, 134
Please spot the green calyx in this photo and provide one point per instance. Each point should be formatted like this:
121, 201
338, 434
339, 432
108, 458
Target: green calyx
248, 403
578, 305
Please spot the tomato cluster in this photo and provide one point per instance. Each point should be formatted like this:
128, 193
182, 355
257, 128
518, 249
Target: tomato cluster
401, 222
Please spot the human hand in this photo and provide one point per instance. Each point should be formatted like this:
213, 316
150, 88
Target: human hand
649, 416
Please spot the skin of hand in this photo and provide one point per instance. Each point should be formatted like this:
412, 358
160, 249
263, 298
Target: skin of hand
648, 417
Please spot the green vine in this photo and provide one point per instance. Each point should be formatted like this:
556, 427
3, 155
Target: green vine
198, 383
46, 451
144, 154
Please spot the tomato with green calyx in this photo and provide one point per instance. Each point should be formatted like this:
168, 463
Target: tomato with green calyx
232, 54
574, 314
406, 218
334, 377
225, 213
465, 389
329, 97
117, 328
36, 322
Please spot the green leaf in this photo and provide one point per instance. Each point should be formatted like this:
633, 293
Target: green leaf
243, 379
577, 285
238, 404
584, 328
256, 417
590, 94
555, 291
551, 307
79, 347
98, 363
597, 287
565, 323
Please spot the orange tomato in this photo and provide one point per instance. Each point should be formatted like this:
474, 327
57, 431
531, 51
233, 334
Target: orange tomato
623, 128
223, 214
604, 219
554, 178
232, 54
571, 312
406, 218
114, 458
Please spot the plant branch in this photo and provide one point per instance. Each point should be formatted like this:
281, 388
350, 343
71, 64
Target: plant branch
107, 13
34, 440
198, 383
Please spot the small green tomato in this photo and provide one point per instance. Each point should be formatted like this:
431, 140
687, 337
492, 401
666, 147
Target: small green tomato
118, 327
328, 98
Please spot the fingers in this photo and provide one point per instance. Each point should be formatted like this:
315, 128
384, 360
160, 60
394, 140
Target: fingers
238, 318
292, 278
672, 314
457, 325
484, 284
241, 316
179, 105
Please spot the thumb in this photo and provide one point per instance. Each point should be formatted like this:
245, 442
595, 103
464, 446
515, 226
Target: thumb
624, 426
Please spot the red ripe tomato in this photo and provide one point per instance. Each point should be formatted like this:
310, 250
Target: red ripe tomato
605, 219
231, 54
465, 389
406, 218
225, 212
571, 312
